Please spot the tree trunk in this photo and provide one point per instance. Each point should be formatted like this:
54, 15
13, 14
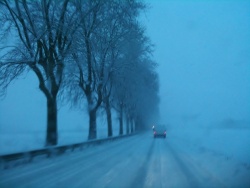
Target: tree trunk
92, 124
127, 125
137, 124
109, 119
51, 137
121, 122
131, 125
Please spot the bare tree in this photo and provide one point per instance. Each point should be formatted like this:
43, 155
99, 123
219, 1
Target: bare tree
97, 42
122, 17
87, 75
44, 31
134, 87
122, 23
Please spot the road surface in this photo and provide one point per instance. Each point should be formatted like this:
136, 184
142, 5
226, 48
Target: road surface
136, 161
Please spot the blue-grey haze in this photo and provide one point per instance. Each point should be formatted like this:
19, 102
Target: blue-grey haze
203, 52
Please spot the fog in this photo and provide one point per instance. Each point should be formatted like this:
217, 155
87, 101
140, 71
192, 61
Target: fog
203, 52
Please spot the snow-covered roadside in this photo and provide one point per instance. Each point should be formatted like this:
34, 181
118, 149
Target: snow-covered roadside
225, 154
23, 119
233, 143
14, 142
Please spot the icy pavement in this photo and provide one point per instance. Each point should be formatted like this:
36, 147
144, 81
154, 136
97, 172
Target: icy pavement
137, 161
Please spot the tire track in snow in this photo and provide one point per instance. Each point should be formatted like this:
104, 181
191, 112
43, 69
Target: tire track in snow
142, 171
192, 180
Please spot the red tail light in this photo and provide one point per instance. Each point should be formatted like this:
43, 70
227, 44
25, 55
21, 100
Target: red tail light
155, 132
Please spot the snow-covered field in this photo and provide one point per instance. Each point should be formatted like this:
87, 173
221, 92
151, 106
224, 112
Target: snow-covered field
19, 140
229, 164
71, 130
231, 143
23, 119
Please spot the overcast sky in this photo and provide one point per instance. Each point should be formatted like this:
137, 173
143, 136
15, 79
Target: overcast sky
203, 51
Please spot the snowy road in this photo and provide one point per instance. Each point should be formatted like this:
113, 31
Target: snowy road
137, 161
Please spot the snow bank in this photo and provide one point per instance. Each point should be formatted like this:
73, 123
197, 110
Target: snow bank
232, 143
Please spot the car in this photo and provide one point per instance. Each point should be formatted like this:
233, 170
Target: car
159, 132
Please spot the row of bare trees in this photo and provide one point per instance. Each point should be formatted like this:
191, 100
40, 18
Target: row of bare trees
82, 50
